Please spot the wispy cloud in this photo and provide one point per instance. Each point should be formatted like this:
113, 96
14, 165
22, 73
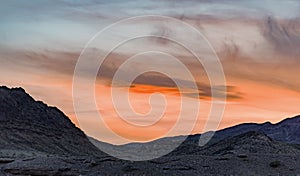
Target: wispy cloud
284, 35
257, 42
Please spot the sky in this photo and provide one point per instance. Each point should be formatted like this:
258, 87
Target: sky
256, 43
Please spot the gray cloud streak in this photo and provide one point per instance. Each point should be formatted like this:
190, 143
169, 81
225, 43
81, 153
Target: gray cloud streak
284, 36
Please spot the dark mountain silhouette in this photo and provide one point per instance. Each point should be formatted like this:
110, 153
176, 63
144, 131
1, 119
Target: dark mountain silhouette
33, 127
36, 139
288, 130
249, 142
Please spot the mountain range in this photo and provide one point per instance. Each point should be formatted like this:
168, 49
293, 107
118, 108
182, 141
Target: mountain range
37, 139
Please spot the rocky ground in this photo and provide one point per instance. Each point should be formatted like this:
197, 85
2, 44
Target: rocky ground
231, 164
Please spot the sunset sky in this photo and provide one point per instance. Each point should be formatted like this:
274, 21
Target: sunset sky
256, 41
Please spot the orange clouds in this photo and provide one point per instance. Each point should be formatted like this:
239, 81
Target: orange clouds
148, 89
262, 82
149, 118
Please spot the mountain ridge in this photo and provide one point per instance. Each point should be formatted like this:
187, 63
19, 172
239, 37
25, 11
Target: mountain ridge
33, 126
36, 139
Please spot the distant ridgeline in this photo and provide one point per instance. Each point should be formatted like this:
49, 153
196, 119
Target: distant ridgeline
29, 125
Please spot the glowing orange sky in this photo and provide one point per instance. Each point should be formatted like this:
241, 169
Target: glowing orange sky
257, 43
260, 103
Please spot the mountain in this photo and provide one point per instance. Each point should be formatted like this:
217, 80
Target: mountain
249, 142
288, 130
30, 127
36, 139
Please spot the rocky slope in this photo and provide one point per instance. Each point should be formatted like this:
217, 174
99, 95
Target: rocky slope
250, 142
31, 127
288, 130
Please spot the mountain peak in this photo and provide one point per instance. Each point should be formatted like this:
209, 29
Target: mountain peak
32, 125
14, 89
255, 135
295, 119
250, 142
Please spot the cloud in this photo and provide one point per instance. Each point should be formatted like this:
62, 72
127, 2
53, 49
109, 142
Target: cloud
283, 35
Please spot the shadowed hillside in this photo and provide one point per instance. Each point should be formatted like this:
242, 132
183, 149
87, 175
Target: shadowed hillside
31, 127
